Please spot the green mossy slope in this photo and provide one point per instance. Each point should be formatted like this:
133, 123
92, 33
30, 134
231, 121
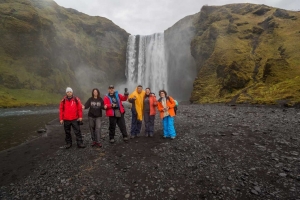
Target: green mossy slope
45, 47
247, 53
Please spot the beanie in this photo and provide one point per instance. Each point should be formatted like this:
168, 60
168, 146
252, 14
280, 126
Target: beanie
69, 89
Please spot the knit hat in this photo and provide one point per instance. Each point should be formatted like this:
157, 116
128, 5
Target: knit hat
69, 90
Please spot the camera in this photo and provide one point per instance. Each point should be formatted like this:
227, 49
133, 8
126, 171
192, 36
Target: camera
126, 91
115, 106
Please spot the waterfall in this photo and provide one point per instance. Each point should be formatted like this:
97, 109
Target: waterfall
145, 62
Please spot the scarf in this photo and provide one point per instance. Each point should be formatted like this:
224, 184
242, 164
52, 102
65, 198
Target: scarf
164, 103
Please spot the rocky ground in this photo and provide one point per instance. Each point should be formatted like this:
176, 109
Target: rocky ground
221, 152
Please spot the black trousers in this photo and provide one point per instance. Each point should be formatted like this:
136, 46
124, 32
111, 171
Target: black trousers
149, 123
76, 128
120, 121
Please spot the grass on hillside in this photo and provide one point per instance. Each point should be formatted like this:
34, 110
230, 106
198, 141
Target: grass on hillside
24, 97
252, 51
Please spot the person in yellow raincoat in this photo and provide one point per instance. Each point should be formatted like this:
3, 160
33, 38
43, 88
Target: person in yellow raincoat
136, 98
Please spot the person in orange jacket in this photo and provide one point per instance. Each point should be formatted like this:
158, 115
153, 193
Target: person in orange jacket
166, 106
150, 104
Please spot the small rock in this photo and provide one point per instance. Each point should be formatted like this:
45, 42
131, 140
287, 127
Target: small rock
257, 189
254, 192
294, 153
161, 189
127, 196
282, 174
172, 189
235, 134
286, 169
41, 130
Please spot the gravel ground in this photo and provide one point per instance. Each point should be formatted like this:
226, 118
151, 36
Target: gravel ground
221, 152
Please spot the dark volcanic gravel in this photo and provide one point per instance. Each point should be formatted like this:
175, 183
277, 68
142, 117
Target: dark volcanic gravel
221, 152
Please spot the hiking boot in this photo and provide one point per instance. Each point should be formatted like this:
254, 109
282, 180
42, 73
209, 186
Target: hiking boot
164, 137
172, 138
81, 146
68, 146
150, 135
112, 141
131, 137
125, 139
94, 143
99, 145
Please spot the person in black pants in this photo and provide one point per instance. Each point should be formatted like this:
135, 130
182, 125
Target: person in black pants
70, 115
115, 111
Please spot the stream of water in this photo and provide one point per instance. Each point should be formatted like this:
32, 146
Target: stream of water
19, 125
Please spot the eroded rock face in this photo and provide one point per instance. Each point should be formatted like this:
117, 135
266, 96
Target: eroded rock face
181, 65
246, 53
45, 46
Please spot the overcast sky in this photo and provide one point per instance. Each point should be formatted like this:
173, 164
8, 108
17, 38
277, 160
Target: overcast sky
145, 17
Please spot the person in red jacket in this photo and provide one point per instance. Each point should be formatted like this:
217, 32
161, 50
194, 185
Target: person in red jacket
150, 104
115, 111
70, 114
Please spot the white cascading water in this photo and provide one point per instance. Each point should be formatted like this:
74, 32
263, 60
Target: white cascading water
145, 62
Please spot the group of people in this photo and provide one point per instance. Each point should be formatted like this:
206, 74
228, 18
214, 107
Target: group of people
143, 106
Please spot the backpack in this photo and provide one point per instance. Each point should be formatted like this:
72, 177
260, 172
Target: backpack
75, 98
176, 106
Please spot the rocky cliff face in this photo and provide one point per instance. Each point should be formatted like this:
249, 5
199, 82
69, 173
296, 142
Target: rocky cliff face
246, 53
45, 47
181, 64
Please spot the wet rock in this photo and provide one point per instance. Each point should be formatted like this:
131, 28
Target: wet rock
41, 131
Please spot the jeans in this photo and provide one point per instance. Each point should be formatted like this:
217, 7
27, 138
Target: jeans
136, 125
95, 128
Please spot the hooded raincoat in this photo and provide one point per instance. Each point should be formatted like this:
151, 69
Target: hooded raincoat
137, 101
